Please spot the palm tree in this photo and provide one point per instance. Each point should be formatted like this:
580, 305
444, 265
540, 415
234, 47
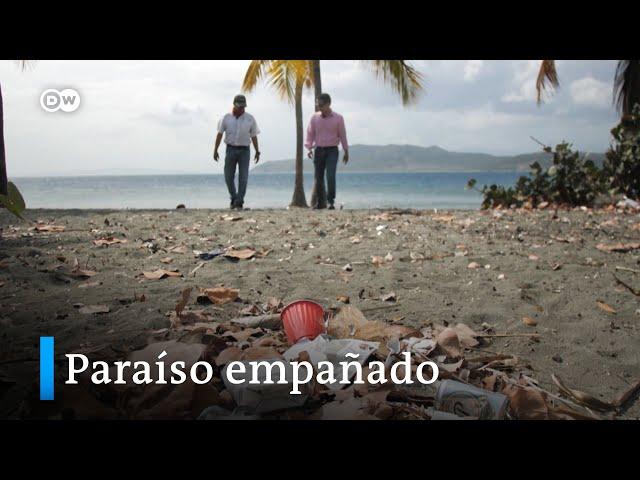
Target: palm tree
3, 162
626, 84
10, 196
317, 80
289, 78
402, 77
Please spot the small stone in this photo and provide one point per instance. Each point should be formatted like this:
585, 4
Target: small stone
557, 358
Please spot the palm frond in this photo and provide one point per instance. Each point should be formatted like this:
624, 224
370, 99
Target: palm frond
547, 77
257, 69
282, 75
25, 64
402, 77
626, 86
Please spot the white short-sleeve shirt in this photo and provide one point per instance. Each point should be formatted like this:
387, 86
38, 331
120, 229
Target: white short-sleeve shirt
238, 131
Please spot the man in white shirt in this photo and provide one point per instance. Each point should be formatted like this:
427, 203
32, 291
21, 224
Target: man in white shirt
240, 130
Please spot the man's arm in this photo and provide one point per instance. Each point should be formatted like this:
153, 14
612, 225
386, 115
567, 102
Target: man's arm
221, 129
216, 156
342, 133
254, 139
311, 137
253, 132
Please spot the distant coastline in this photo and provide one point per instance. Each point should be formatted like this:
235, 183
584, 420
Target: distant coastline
364, 159
414, 159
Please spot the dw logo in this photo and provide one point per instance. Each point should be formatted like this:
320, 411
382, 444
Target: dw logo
67, 100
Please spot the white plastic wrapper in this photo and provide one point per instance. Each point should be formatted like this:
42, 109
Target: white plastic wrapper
322, 348
261, 397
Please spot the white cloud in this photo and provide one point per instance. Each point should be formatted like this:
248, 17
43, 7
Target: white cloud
179, 115
591, 92
471, 69
524, 82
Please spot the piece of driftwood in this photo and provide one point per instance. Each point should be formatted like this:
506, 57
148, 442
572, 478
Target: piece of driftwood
506, 335
627, 286
270, 321
626, 269
588, 400
198, 267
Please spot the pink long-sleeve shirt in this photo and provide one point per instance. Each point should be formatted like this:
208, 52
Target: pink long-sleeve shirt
326, 131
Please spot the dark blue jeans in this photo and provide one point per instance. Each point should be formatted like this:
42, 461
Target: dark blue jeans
236, 157
325, 159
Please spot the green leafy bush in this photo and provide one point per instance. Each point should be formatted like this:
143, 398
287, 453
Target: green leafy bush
621, 168
13, 200
573, 179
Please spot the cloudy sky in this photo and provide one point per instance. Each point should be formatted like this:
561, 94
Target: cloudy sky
161, 115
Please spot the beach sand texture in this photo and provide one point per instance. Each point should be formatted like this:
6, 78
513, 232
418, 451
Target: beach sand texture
537, 264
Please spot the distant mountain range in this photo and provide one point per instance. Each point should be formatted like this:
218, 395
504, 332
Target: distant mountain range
412, 159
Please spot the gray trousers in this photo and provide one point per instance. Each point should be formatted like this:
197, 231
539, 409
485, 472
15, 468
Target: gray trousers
325, 159
236, 157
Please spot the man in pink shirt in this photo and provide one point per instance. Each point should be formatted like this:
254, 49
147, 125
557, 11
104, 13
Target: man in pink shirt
326, 130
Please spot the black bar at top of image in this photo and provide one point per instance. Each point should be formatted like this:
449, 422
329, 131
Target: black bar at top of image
428, 32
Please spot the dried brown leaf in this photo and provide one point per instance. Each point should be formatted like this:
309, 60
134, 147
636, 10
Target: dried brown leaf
91, 309
41, 227
106, 241
618, 247
160, 274
221, 295
527, 403
449, 343
241, 254
184, 299
343, 298
605, 307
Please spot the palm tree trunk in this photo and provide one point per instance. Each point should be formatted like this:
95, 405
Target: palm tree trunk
3, 163
317, 80
299, 199
317, 83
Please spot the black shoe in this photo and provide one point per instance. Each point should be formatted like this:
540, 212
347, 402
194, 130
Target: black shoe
232, 206
331, 207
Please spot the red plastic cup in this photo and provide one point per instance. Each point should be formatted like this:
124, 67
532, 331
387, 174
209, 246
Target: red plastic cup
302, 318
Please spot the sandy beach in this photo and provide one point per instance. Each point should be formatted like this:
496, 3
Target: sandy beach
486, 269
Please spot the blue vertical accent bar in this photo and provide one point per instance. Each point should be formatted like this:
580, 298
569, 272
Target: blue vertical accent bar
46, 368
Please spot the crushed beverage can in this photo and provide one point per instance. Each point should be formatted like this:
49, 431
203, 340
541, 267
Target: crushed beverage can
469, 401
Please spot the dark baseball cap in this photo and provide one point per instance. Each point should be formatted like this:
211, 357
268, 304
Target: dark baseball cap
324, 99
239, 101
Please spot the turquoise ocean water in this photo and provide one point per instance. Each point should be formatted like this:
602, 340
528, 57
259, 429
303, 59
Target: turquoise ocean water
355, 190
